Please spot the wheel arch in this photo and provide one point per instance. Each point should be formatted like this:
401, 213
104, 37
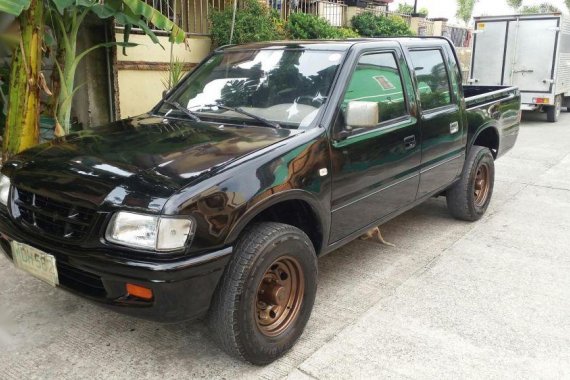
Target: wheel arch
308, 216
487, 136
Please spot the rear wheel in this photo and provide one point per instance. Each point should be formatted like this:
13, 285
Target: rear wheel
553, 112
469, 198
266, 295
566, 103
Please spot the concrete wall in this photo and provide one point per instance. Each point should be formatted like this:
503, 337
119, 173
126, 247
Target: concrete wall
141, 71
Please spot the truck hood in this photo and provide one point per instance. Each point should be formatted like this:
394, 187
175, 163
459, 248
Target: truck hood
138, 162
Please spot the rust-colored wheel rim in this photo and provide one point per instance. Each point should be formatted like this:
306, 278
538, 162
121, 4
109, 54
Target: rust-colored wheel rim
482, 184
279, 296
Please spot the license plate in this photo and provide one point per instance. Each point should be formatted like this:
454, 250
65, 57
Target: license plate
39, 264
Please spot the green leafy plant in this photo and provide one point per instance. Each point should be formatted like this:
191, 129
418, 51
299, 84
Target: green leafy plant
304, 26
28, 47
68, 16
408, 9
344, 33
544, 7
405, 8
541, 8
175, 73
368, 24
254, 22
515, 4
465, 8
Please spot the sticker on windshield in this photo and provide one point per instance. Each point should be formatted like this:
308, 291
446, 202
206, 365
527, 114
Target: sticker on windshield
384, 82
334, 57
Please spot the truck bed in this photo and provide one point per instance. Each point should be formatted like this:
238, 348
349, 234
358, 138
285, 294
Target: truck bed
479, 95
493, 105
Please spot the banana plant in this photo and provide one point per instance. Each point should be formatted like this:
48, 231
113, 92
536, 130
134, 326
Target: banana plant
22, 119
22, 129
68, 16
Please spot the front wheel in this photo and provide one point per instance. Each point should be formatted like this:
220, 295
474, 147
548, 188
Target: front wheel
266, 295
469, 198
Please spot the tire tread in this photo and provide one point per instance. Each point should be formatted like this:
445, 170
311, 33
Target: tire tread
457, 195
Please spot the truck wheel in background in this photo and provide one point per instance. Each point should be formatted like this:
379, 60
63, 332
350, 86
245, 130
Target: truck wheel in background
266, 294
566, 103
553, 112
469, 198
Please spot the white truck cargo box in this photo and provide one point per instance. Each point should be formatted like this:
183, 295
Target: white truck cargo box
531, 52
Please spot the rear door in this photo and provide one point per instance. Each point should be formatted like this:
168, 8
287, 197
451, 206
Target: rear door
530, 54
489, 52
441, 117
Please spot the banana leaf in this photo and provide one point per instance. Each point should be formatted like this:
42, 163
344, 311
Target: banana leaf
14, 7
153, 16
61, 5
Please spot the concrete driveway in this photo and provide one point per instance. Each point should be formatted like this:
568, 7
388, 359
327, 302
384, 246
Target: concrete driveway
451, 300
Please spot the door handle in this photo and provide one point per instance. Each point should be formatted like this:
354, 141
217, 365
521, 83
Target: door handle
523, 71
454, 127
410, 142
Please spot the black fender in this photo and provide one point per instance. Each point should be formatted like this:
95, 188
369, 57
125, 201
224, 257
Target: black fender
478, 132
322, 215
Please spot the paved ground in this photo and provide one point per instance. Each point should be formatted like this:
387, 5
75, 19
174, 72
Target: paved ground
452, 300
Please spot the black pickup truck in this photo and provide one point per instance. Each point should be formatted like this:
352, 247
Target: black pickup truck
219, 201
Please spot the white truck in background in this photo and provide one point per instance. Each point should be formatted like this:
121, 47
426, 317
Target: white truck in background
531, 52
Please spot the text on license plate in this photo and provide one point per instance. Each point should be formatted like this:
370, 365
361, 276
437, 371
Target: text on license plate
37, 263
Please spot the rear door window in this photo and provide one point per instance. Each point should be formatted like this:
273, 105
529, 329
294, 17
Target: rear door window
433, 79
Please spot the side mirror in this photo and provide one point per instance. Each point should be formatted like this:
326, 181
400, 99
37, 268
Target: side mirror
362, 114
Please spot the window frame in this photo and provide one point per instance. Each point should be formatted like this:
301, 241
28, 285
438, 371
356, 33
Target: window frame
387, 123
452, 98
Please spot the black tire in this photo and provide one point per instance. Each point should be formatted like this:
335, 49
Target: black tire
234, 318
553, 112
566, 103
464, 201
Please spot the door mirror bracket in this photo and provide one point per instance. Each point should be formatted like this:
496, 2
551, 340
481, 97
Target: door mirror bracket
343, 135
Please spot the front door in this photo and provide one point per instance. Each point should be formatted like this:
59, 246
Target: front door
375, 169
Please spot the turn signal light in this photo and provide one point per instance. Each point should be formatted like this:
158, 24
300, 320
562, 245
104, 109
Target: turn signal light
139, 292
540, 100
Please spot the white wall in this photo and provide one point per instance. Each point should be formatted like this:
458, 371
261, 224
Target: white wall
140, 71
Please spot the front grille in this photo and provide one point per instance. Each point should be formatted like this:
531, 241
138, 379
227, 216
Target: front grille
80, 281
55, 218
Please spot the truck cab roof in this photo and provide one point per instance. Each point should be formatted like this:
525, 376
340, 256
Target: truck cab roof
340, 45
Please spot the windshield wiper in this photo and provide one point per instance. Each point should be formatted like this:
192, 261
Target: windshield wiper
179, 107
265, 121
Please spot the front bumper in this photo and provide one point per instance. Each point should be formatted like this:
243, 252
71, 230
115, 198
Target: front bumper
182, 288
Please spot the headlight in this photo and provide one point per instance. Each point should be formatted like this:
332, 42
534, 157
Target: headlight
159, 233
4, 189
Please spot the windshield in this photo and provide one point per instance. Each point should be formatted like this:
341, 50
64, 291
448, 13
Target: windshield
287, 87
